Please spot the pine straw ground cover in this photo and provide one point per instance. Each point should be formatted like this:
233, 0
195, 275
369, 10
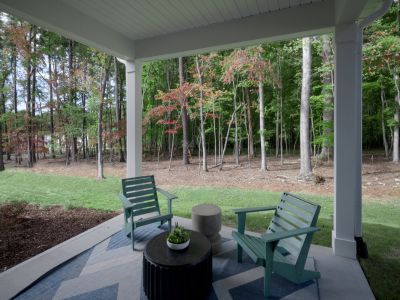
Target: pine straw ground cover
28, 229
381, 217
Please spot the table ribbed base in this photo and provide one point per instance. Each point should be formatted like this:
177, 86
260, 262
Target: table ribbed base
186, 282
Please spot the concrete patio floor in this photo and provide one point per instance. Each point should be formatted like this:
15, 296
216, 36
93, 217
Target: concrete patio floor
99, 263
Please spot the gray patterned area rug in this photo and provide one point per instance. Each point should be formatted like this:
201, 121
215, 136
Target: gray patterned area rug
111, 270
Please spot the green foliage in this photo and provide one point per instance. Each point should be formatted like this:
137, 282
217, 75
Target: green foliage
178, 235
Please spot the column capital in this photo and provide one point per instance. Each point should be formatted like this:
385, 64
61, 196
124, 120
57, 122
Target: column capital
348, 33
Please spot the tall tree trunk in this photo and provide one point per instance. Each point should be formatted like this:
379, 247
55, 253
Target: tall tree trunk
305, 161
281, 122
72, 140
84, 118
250, 124
1, 144
397, 121
385, 143
28, 112
33, 101
202, 130
14, 84
236, 149
118, 111
327, 91
51, 104
215, 134
262, 126
15, 98
227, 137
2, 111
277, 130
185, 117
100, 155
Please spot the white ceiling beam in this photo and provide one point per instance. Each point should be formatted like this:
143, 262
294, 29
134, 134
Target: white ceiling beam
316, 18
65, 20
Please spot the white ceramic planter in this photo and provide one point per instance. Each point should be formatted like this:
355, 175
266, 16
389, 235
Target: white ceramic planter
182, 246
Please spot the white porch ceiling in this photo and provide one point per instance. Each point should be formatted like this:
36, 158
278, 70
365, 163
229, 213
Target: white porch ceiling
146, 19
151, 29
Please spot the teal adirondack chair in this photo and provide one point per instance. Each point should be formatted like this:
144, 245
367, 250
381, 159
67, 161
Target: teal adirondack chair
284, 247
139, 198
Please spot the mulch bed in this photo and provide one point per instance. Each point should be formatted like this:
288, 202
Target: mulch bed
27, 230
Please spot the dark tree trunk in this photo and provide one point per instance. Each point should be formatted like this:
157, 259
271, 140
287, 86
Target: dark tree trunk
202, 130
327, 91
250, 124
51, 104
73, 141
1, 147
100, 157
33, 102
28, 101
118, 111
185, 117
2, 110
15, 98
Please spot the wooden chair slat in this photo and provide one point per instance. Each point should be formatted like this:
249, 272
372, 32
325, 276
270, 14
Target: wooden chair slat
305, 215
138, 180
288, 245
138, 187
308, 206
283, 223
140, 193
298, 243
292, 219
142, 198
146, 204
140, 212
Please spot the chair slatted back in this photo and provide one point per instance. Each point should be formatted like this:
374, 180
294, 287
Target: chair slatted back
142, 192
293, 212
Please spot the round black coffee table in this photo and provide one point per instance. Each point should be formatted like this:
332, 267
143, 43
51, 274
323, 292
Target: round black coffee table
185, 274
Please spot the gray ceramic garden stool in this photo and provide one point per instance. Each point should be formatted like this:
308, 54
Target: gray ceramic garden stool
206, 218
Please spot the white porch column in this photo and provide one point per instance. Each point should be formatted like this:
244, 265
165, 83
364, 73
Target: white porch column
348, 139
133, 118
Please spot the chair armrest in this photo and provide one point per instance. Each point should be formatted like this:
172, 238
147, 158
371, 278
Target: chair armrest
253, 209
167, 195
125, 202
242, 212
277, 236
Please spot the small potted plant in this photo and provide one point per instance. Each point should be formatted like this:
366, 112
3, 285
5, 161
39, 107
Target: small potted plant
178, 238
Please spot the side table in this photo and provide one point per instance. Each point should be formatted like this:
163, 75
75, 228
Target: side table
206, 218
185, 274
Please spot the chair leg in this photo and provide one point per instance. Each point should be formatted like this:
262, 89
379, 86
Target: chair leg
239, 253
267, 281
269, 260
133, 237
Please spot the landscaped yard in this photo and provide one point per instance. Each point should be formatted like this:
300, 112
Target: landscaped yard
381, 219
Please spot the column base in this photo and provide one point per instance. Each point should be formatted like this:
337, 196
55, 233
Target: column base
362, 249
344, 247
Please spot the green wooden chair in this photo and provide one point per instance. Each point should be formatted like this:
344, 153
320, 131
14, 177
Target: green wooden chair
284, 247
140, 202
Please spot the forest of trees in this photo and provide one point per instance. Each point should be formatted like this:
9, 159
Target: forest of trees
59, 98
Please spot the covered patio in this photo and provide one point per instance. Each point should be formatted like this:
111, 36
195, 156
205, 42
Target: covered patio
100, 264
141, 31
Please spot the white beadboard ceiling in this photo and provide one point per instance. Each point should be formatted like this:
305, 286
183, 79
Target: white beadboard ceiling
139, 19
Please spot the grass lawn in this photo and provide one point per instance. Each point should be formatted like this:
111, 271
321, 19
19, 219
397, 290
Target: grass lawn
381, 219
